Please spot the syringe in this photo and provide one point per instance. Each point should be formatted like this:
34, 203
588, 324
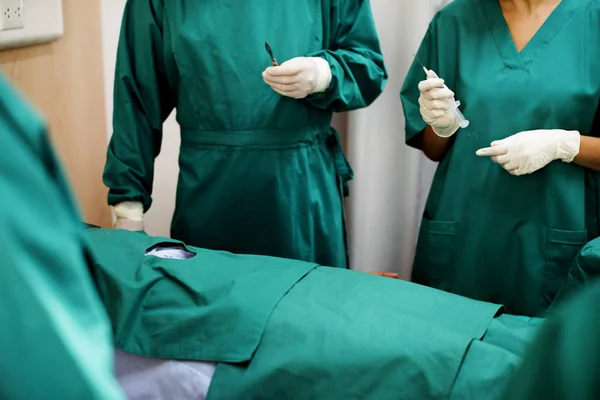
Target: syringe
453, 103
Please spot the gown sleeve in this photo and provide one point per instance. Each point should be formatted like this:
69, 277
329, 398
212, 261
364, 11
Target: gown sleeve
55, 337
563, 362
354, 55
409, 95
142, 102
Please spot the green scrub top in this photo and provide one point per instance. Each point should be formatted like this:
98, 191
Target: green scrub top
564, 361
259, 173
584, 269
486, 234
55, 338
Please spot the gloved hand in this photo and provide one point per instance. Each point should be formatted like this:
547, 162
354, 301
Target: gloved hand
434, 107
528, 151
129, 225
130, 216
299, 77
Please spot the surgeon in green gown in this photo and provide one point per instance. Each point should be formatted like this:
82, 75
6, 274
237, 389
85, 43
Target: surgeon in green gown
509, 207
261, 170
55, 337
564, 361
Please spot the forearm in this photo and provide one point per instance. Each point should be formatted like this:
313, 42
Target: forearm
589, 153
354, 55
435, 147
143, 99
129, 169
356, 81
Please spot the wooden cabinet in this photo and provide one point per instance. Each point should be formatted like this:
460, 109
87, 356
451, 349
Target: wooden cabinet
64, 80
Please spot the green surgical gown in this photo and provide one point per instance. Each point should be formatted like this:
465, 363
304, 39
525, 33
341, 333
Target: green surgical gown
258, 173
55, 337
486, 234
564, 361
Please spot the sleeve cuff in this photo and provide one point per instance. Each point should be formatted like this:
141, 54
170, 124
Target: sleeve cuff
132, 210
323, 75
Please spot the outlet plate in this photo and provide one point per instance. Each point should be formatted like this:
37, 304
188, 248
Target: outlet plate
42, 23
13, 14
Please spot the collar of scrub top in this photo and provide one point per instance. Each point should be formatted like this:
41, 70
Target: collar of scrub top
511, 57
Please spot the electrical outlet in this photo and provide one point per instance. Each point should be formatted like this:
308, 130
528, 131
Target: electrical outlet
12, 16
41, 21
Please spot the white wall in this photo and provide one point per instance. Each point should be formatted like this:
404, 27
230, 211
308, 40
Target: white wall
158, 219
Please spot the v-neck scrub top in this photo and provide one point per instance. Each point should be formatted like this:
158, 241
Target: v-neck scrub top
486, 234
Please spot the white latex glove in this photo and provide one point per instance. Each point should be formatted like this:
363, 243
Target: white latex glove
299, 77
434, 107
129, 225
130, 216
528, 151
